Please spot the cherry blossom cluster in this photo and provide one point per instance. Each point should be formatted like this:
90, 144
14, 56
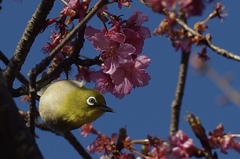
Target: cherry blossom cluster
120, 46
123, 67
184, 9
189, 8
73, 9
177, 146
219, 139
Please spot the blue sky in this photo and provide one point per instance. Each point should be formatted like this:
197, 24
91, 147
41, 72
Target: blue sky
146, 111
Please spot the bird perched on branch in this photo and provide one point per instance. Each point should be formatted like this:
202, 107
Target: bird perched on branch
66, 105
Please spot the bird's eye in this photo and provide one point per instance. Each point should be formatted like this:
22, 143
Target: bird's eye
91, 101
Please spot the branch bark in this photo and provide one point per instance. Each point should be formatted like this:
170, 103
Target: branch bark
34, 26
19, 76
176, 104
15, 139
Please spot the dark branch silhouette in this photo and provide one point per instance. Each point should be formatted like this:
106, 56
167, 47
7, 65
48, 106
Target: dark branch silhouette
16, 139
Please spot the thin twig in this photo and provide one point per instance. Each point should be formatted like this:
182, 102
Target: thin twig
69, 137
44, 127
74, 142
208, 43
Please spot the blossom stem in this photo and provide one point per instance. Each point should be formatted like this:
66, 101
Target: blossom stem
208, 43
74, 142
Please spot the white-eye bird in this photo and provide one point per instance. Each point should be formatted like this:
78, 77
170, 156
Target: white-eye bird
66, 105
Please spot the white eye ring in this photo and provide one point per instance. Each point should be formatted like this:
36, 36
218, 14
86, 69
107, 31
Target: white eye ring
91, 101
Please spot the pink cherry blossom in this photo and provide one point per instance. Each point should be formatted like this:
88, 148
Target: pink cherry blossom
131, 75
116, 34
122, 69
76, 7
116, 55
101, 144
135, 40
135, 22
90, 32
55, 40
88, 128
112, 53
83, 74
160, 152
192, 7
134, 72
160, 5
103, 82
124, 79
160, 148
219, 139
182, 145
185, 45
135, 32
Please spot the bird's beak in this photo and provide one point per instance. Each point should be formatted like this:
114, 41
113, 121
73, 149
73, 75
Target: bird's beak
106, 109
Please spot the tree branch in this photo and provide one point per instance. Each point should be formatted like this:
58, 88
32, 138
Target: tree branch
70, 138
177, 102
15, 139
208, 43
20, 77
73, 141
33, 28
66, 63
